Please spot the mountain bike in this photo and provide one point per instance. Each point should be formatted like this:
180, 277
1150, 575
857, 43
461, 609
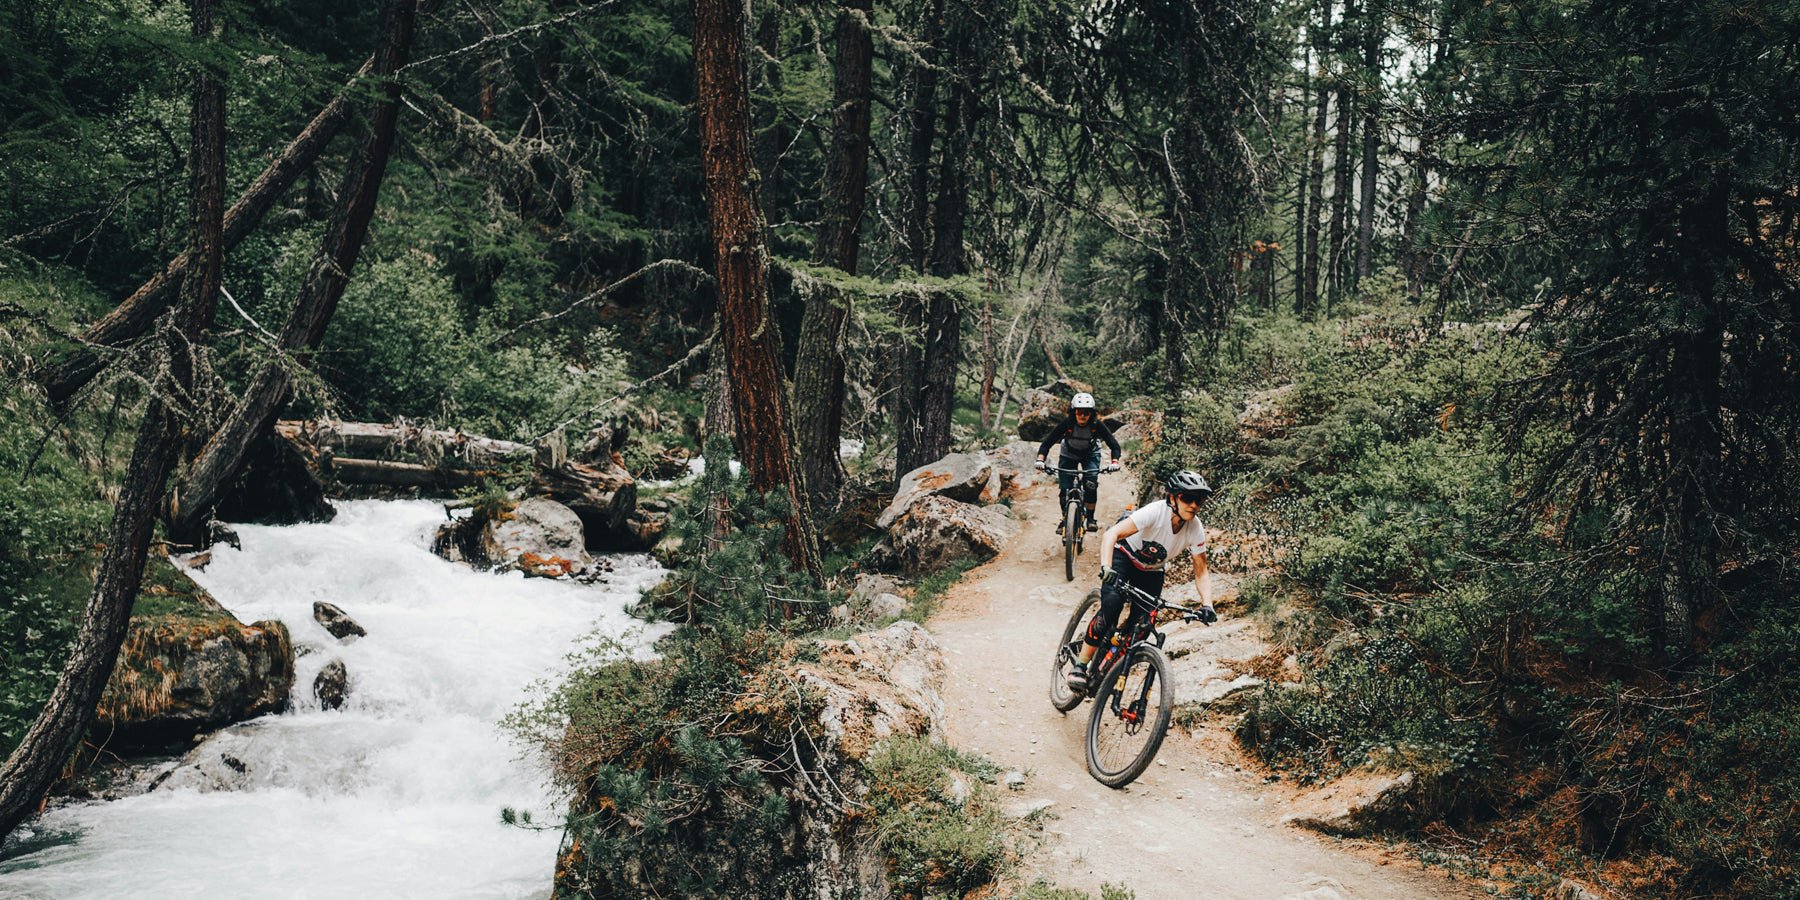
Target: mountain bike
1133, 693
1075, 512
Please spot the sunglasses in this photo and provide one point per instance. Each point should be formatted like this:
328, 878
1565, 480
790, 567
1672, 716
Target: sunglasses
1191, 496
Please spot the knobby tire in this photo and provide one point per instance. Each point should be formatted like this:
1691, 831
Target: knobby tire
1158, 701
1062, 696
1071, 534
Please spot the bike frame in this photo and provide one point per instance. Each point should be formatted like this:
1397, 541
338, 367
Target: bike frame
1145, 631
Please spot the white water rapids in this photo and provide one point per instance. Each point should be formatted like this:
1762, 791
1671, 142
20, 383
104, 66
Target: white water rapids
399, 793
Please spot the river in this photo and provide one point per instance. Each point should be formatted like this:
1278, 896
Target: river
399, 793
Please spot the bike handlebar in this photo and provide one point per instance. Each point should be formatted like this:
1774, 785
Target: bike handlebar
1103, 470
1158, 604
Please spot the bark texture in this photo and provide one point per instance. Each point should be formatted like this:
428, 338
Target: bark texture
819, 372
740, 263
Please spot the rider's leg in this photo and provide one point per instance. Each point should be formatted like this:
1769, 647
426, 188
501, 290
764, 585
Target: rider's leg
1065, 481
1112, 600
1092, 491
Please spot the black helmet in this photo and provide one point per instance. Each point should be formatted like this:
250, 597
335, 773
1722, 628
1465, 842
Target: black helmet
1186, 481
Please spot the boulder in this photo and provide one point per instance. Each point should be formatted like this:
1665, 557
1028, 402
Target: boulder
332, 685
336, 621
1135, 422
938, 532
869, 584
602, 497
860, 505
959, 476
1355, 804
815, 718
1227, 695
1043, 407
886, 606
535, 526
182, 675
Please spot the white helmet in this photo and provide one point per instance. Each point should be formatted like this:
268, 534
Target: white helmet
1083, 400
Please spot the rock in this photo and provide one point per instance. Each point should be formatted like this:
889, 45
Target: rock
536, 565
959, 476
1025, 809
538, 526
205, 771
180, 676
1043, 407
1265, 413
1570, 889
869, 584
876, 685
858, 694
860, 504
603, 500
1014, 780
336, 621
959, 789
886, 606
1227, 694
1355, 804
332, 685
1135, 422
938, 532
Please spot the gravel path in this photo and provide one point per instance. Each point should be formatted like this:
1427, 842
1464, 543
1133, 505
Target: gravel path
1199, 823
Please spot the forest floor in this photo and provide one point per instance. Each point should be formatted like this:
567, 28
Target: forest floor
1202, 821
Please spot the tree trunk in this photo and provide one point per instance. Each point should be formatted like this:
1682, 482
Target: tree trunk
910, 306
1365, 211
752, 359
769, 137
1316, 164
1343, 180
138, 312
819, 368
1416, 253
990, 363
1304, 167
66, 716
218, 463
943, 320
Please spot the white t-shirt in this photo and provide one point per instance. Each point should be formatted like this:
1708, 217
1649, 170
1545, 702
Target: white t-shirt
1153, 523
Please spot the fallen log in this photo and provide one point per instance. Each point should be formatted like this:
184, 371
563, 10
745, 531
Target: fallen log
403, 443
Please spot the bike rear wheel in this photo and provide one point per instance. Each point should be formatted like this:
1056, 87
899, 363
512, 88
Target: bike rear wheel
1130, 717
1063, 697
1071, 535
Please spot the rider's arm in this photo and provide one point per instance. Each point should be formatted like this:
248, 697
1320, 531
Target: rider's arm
1112, 443
1124, 529
1200, 577
1056, 434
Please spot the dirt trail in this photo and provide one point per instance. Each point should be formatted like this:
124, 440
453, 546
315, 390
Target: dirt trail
1198, 823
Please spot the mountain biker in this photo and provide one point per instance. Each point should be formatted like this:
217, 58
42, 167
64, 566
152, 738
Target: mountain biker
1080, 435
1141, 543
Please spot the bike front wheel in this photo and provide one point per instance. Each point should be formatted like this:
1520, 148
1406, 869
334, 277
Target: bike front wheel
1131, 715
1071, 534
1068, 650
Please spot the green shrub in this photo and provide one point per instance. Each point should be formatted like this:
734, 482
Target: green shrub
50, 516
937, 823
